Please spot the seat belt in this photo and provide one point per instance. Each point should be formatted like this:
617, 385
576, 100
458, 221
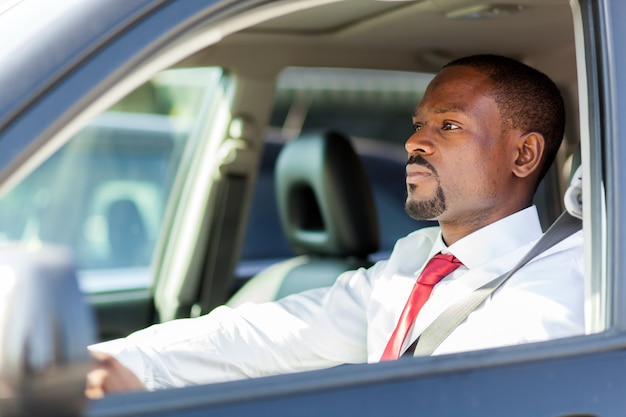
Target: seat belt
568, 223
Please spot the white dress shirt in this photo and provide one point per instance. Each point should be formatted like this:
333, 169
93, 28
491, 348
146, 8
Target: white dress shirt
352, 321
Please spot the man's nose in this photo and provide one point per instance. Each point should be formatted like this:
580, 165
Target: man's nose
419, 142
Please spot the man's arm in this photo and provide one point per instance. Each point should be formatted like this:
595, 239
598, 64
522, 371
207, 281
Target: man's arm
316, 329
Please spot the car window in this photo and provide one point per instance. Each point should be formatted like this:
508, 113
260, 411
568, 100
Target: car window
44, 208
372, 104
373, 108
104, 193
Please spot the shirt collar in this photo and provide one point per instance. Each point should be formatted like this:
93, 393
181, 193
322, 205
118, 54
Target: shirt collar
495, 239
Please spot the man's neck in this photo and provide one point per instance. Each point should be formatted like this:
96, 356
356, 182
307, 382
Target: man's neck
452, 231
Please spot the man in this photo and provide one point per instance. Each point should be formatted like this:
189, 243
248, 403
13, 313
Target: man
486, 131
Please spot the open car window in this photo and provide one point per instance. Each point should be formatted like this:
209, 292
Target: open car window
104, 194
171, 189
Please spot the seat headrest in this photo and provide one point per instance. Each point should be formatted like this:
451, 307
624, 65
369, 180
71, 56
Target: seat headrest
324, 197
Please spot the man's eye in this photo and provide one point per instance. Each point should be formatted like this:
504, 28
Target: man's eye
417, 127
450, 126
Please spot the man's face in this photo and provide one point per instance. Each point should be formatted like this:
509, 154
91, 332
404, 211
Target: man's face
460, 157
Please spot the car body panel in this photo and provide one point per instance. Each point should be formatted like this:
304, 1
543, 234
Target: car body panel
579, 376
612, 89
574, 384
57, 49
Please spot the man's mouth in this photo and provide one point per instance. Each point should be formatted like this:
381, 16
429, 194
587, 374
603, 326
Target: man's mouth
414, 173
417, 168
418, 160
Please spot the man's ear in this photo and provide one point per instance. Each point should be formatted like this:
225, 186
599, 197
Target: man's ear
530, 147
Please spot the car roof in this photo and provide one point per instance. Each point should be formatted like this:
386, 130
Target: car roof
53, 42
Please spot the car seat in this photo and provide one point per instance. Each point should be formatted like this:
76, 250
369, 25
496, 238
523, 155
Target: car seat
327, 213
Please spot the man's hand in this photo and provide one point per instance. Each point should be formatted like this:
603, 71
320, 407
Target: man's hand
108, 376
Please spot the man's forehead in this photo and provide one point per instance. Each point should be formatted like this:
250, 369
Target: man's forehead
459, 77
455, 90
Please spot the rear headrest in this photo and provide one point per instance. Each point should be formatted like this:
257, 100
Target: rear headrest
324, 197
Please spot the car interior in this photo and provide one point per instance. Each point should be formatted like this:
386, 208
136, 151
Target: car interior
408, 36
270, 103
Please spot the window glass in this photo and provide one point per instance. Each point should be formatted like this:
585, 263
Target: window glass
103, 194
374, 109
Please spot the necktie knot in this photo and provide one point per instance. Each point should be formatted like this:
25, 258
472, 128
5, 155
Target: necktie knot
438, 267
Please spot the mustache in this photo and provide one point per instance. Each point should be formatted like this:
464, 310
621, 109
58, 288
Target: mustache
419, 160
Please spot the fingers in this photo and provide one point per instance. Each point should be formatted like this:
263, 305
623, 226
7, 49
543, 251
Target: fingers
109, 376
96, 380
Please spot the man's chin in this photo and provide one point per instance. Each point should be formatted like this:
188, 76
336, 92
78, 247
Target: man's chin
426, 209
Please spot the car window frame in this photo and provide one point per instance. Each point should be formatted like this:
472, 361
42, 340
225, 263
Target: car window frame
606, 88
599, 176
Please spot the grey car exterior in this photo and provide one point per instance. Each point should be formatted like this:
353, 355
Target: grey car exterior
97, 45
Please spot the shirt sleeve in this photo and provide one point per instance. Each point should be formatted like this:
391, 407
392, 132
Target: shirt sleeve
316, 329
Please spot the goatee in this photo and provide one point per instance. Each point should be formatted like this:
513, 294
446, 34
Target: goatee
429, 209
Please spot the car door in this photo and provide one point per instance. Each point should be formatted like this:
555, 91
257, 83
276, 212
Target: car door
577, 376
574, 377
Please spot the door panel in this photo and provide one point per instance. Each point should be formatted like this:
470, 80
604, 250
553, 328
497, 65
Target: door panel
568, 386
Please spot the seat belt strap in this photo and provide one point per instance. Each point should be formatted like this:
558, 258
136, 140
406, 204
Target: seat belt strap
446, 322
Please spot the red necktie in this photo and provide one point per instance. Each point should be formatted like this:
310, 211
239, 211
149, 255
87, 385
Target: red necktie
434, 271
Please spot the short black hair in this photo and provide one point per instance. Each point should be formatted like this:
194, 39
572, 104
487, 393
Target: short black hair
527, 99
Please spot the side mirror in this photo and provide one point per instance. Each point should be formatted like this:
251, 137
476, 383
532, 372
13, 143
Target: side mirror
45, 328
